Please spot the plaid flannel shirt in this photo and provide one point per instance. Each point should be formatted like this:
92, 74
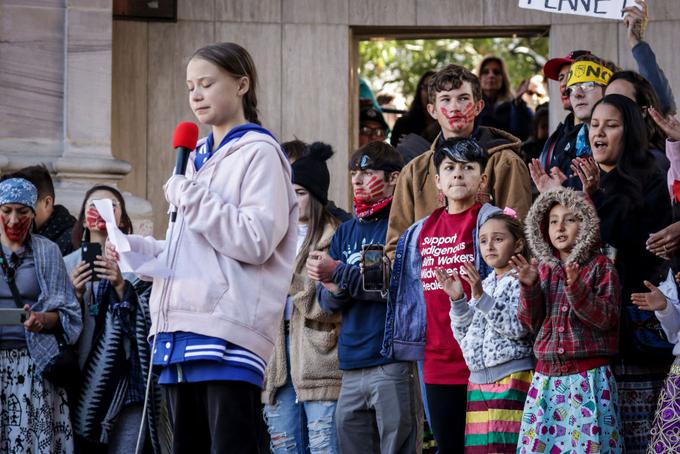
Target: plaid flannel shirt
576, 327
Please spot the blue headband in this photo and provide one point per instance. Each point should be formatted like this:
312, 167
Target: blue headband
18, 190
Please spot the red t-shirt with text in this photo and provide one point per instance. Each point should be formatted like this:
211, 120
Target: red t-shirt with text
445, 242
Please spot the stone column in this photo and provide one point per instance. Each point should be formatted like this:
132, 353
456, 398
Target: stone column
55, 97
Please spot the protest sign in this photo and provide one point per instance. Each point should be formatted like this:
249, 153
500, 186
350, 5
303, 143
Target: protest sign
604, 9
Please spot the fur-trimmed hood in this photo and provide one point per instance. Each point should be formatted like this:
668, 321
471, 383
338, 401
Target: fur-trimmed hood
588, 238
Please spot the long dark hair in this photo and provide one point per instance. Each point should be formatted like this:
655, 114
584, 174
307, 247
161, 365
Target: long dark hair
236, 61
78, 229
319, 218
418, 111
635, 162
645, 96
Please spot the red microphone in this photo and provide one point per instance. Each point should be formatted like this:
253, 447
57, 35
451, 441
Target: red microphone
184, 142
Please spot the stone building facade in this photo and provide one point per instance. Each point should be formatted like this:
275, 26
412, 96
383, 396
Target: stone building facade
97, 99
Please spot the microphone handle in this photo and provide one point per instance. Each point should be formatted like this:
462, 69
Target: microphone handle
180, 169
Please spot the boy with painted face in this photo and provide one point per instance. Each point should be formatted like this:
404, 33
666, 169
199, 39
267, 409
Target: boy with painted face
418, 310
455, 101
376, 411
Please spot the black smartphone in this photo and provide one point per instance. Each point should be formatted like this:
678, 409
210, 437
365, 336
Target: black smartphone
89, 252
374, 269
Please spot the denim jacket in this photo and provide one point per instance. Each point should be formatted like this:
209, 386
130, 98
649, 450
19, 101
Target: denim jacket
405, 322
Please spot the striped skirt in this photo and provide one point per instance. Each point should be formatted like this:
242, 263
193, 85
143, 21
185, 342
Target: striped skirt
494, 414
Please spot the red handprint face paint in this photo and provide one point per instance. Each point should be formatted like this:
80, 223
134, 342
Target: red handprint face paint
16, 229
459, 119
371, 189
94, 221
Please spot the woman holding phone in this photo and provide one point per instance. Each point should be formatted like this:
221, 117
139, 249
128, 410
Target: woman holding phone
34, 413
113, 351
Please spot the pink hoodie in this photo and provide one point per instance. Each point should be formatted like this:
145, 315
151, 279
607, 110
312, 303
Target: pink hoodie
232, 247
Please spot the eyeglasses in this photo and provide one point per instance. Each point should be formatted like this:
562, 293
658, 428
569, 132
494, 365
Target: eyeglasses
583, 87
372, 132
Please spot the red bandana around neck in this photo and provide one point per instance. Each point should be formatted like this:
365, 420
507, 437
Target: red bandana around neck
366, 209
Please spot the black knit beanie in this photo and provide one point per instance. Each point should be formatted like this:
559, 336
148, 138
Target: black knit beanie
311, 172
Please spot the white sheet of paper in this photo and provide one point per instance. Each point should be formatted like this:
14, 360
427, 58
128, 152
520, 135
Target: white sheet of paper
130, 262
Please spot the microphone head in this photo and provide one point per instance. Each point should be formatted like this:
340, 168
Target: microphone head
186, 135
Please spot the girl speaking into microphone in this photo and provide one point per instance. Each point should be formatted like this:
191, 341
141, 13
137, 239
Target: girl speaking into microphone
231, 252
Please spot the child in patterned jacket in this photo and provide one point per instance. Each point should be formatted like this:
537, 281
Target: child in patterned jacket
496, 347
571, 302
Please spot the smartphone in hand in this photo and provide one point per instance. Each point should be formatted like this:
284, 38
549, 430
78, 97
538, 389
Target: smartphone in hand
374, 269
89, 252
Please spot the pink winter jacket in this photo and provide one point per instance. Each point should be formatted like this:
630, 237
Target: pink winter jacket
232, 247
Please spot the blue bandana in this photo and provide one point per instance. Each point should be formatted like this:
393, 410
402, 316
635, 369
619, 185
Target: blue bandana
18, 190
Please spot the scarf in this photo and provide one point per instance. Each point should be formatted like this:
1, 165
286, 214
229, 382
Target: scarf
115, 371
368, 209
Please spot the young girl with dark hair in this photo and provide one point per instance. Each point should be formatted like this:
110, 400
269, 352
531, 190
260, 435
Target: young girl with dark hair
113, 349
569, 300
632, 202
496, 347
303, 378
231, 252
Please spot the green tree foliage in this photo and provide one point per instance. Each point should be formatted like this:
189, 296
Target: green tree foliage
396, 66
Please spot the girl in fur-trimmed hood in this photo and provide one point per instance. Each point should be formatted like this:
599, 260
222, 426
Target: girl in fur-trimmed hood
569, 299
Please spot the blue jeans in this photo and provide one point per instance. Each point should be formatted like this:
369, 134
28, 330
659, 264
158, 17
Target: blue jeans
300, 427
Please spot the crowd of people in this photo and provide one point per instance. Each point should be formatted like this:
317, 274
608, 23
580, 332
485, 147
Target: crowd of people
529, 302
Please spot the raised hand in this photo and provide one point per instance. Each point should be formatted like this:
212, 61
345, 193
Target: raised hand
588, 172
652, 301
473, 278
665, 242
451, 284
669, 125
523, 88
542, 179
635, 20
527, 272
573, 270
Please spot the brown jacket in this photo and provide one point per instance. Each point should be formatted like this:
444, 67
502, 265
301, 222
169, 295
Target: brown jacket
313, 343
416, 194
